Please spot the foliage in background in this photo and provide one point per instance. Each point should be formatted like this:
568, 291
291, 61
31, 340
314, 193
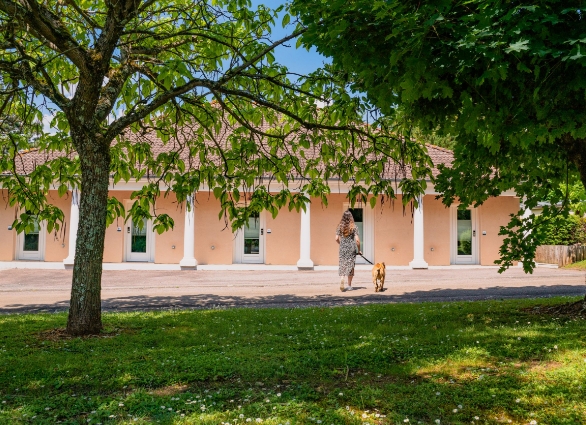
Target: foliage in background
505, 79
561, 230
577, 195
484, 362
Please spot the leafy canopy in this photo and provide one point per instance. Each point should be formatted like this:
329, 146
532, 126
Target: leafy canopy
505, 80
200, 76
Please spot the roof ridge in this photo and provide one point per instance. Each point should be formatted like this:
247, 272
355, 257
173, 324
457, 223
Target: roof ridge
29, 150
440, 148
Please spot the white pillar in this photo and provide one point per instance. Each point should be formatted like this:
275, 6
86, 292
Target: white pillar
73, 225
418, 260
305, 262
189, 260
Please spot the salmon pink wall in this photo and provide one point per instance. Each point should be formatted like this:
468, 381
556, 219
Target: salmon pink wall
57, 242
164, 252
114, 243
211, 231
393, 229
436, 232
324, 220
493, 214
282, 244
7, 237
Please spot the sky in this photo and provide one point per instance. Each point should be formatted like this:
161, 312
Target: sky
296, 60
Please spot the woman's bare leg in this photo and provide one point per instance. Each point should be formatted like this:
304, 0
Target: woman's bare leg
350, 281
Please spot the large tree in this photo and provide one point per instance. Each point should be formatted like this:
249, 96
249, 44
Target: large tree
504, 80
199, 75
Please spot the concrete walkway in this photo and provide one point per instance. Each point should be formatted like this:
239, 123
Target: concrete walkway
24, 290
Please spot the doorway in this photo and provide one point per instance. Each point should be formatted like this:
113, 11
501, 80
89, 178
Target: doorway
464, 244
31, 244
139, 241
363, 218
249, 241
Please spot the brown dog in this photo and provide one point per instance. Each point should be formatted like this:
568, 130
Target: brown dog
378, 274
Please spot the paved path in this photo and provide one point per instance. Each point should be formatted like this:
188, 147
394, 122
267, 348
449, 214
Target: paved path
48, 290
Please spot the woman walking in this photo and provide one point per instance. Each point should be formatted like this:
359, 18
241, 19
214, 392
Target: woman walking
347, 238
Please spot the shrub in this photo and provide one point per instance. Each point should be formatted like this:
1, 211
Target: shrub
565, 231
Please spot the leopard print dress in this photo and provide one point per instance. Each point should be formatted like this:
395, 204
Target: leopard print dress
347, 252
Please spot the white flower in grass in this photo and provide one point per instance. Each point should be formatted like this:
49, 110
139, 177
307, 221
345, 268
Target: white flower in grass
406, 420
258, 420
476, 418
533, 422
437, 421
459, 406
121, 404
341, 394
162, 407
455, 410
518, 400
437, 393
248, 420
555, 347
47, 408
267, 401
278, 394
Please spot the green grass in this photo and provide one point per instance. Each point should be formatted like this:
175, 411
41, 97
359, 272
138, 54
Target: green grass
579, 265
482, 362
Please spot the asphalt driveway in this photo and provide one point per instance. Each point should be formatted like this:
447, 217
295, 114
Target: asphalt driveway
25, 290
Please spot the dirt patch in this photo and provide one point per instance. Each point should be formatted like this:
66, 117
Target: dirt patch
540, 367
571, 309
169, 390
60, 334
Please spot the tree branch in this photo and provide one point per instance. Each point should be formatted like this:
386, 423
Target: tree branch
45, 25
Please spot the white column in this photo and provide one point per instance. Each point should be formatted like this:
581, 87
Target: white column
305, 262
418, 261
73, 225
189, 260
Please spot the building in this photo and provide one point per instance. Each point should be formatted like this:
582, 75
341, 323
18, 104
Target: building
432, 236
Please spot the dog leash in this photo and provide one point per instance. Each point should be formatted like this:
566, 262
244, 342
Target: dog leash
367, 260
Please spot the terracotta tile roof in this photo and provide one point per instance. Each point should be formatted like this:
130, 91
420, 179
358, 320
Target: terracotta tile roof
28, 160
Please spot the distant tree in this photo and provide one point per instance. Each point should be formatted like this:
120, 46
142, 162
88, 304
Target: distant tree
504, 79
111, 73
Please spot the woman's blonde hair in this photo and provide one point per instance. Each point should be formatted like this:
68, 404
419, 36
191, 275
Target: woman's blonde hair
347, 223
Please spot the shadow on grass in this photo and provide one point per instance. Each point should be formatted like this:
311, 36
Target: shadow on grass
448, 361
362, 295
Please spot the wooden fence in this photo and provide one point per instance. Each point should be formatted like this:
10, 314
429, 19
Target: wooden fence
560, 254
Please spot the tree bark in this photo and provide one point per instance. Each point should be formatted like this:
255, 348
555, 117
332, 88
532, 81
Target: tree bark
85, 311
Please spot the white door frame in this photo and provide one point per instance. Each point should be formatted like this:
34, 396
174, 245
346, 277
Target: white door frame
39, 255
146, 257
239, 256
366, 240
464, 259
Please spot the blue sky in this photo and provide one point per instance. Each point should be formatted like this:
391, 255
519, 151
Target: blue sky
296, 60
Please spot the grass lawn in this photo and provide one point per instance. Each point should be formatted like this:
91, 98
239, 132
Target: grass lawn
579, 265
449, 363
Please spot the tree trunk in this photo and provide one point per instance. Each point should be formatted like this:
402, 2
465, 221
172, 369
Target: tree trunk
85, 311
